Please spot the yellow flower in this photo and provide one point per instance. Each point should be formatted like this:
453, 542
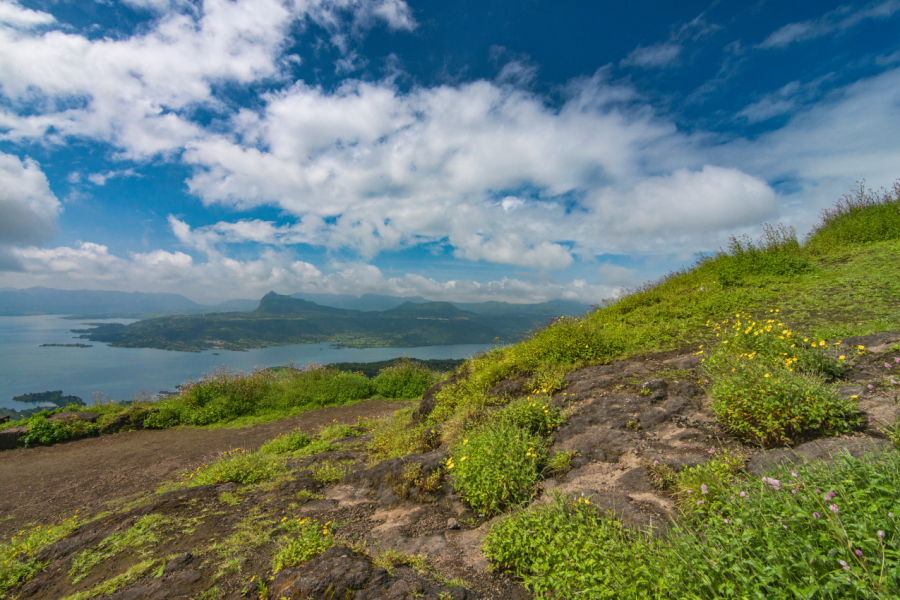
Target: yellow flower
766, 375
841, 357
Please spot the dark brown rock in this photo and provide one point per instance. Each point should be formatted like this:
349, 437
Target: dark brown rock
70, 415
9, 438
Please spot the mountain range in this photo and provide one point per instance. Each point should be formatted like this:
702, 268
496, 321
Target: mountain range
281, 319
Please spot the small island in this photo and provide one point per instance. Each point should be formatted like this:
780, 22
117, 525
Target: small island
66, 346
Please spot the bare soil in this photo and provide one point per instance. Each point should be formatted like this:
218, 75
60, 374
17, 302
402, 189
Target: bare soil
46, 484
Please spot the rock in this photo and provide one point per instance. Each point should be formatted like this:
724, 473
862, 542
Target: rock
819, 450
452, 523
880, 413
70, 415
428, 398
684, 363
388, 481
128, 420
4, 419
655, 389
9, 438
341, 573
877, 342
510, 388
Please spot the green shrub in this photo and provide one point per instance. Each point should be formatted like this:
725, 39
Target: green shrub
496, 465
42, 432
773, 405
17, 562
286, 443
398, 436
861, 217
564, 342
238, 466
705, 488
320, 387
305, 540
570, 550
408, 379
535, 415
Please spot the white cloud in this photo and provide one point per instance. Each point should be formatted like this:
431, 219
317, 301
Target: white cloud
28, 208
101, 178
134, 92
785, 100
838, 20
617, 275
92, 266
657, 55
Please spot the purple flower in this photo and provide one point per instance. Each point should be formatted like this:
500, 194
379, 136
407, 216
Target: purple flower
891, 515
859, 552
880, 534
726, 521
794, 475
703, 488
893, 382
871, 417
833, 508
844, 565
743, 495
793, 491
818, 492
897, 360
816, 515
712, 450
871, 387
773, 482
699, 502
689, 492
887, 365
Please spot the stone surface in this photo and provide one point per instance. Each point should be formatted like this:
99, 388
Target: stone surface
9, 438
819, 450
71, 415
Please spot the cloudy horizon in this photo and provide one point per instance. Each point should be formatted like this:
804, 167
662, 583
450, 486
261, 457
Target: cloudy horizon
223, 149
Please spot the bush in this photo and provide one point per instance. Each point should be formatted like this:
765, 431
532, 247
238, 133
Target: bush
767, 386
862, 217
536, 416
496, 465
305, 540
238, 466
398, 436
570, 550
408, 379
703, 489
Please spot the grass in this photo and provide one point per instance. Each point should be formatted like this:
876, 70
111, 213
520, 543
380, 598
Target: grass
304, 539
238, 466
136, 539
17, 557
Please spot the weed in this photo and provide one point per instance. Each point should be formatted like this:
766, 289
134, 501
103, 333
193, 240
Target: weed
336, 431
537, 416
115, 583
388, 559
286, 443
861, 217
496, 465
415, 483
330, 472
17, 557
305, 539
397, 436
560, 463
703, 489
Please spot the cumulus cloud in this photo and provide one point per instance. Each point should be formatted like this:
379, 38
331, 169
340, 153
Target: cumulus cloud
28, 208
101, 178
89, 265
137, 92
835, 21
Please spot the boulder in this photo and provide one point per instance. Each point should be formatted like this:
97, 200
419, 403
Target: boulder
819, 450
9, 438
71, 415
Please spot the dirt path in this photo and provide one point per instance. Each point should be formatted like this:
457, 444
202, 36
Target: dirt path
44, 485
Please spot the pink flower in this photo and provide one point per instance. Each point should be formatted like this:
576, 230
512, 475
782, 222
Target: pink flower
833, 508
794, 475
703, 488
689, 492
726, 521
699, 502
655, 463
816, 515
887, 365
743, 495
844, 565
871, 387
793, 491
712, 450
859, 552
880, 534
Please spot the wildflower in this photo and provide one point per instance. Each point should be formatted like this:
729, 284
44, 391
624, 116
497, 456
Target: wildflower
743, 495
842, 357
689, 492
833, 508
859, 552
712, 450
773, 482
655, 463
726, 521
880, 534
844, 565
891, 515
887, 365
703, 488
871, 387
816, 515
794, 475
893, 382
699, 502
793, 491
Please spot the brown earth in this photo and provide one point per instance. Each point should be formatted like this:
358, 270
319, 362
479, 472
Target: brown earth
46, 484
622, 418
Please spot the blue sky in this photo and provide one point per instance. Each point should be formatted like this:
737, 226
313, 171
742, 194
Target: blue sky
491, 150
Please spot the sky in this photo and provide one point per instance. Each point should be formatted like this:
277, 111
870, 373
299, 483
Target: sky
517, 151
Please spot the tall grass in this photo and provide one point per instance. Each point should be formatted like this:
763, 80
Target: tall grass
860, 217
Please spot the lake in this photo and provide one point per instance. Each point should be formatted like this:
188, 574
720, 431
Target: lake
120, 373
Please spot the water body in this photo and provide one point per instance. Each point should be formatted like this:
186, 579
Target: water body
120, 373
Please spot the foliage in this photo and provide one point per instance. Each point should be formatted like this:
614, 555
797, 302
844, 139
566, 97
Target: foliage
227, 395
330, 471
568, 549
496, 465
408, 379
305, 539
704, 488
372, 369
759, 391
239, 466
821, 531
17, 557
535, 415
560, 463
42, 432
777, 253
861, 217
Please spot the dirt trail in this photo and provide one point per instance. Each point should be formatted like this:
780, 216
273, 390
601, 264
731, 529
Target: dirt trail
46, 484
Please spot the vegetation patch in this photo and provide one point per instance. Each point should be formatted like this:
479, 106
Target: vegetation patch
305, 539
407, 379
238, 466
17, 562
496, 466
137, 539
